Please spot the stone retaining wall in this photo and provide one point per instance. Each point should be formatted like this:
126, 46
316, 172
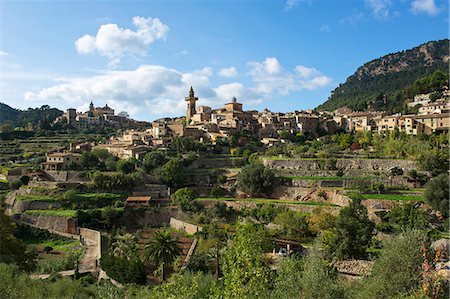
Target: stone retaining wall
187, 227
52, 223
381, 165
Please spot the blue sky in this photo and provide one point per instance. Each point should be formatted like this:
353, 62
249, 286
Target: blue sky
142, 56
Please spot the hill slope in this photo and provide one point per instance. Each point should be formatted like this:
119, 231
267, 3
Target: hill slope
35, 116
385, 77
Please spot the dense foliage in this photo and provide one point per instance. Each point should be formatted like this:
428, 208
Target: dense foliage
256, 179
437, 193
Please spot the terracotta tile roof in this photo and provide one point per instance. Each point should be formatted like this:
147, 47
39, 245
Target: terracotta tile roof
139, 198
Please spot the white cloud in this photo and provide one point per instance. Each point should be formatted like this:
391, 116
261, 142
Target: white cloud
270, 66
355, 17
153, 90
380, 8
3, 54
157, 89
292, 3
113, 41
425, 6
270, 78
228, 72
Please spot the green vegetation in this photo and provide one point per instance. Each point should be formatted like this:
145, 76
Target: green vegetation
328, 178
266, 201
437, 193
400, 197
163, 249
255, 179
59, 213
363, 88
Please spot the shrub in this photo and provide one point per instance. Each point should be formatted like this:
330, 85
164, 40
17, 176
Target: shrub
255, 178
15, 185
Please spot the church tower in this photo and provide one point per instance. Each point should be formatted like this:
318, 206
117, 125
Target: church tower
191, 110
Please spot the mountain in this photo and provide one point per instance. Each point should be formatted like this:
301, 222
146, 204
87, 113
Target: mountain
34, 116
384, 79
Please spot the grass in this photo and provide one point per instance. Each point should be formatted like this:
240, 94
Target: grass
64, 245
36, 198
266, 201
59, 213
399, 197
100, 196
328, 178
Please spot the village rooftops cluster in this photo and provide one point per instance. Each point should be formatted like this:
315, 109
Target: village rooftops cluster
208, 125
96, 117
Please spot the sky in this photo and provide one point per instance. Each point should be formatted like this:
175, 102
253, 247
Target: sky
143, 56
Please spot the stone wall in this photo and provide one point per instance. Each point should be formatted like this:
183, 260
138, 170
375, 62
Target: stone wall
95, 237
370, 165
21, 206
187, 227
52, 223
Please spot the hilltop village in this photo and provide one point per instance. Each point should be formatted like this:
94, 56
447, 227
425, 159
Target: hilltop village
208, 125
93, 198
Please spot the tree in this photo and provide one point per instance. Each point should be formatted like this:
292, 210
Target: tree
353, 231
437, 193
396, 272
126, 166
320, 220
163, 249
319, 279
294, 224
289, 274
245, 273
153, 160
12, 249
183, 195
15, 185
188, 285
171, 173
217, 192
125, 246
256, 179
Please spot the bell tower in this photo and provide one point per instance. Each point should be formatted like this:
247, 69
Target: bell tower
191, 99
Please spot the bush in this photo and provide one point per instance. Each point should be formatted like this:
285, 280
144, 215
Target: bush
437, 193
15, 185
222, 179
256, 179
124, 270
217, 192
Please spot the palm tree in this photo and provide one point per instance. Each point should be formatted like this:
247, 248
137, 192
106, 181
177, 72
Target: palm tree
162, 249
125, 246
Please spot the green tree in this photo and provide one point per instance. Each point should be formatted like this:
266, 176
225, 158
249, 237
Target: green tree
153, 160
437, 193
319, 279
294, 224
163, 249
286, 283
12, 249
125, 246
353, 231
188, 285
396, 272
126, 166
15, 185
171, 173
256, 179
217, 192
185, 198
245, 273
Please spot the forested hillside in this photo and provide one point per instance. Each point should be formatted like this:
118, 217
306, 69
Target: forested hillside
41, 117
381, 83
